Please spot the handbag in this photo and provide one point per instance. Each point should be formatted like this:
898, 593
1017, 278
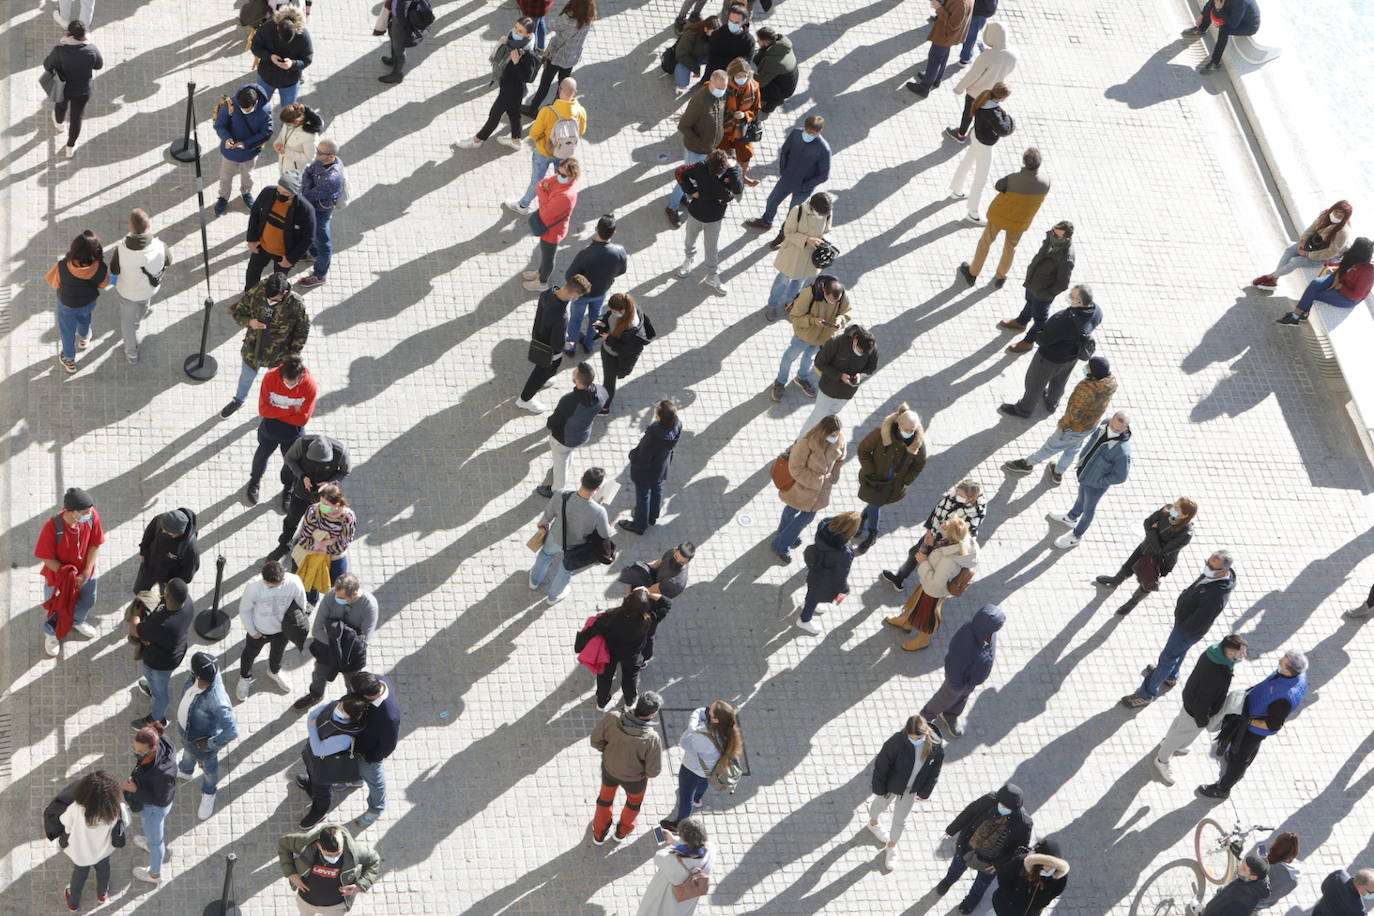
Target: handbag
1087, 347
53, 86
593, 549
537, 226
537, 539
960, 583
695, 885
781, 474
1146, 571
331, 770
753, 131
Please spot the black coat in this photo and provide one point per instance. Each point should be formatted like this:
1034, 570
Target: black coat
827, 563
624, 351
600, 262
299, 231
298, 49
726, 45
345, 649
717, 191
1049, 271
894, 763
165, 632
381, 728
1339, 897
624, 639
550, 328
1018, 894
837, 357
981, 809
651, 458
301, 466
1206, 688
1239, 898
1201, 603
1163, 542
167, 558
155, 783
1065, 330
75, 64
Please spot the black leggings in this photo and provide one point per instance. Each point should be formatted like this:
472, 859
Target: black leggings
610, 369
77, 103
550, 76
251, 648
507, 103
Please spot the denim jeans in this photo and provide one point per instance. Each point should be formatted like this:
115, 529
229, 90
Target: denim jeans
1319, 290
648, 501
683, 76
153, 818
288, 93
539, 167
935, 66
688, 158
790, 527
1062, 442
784, 290
375, 777
775, 196
958, 866
1166, 668
1085, 507
247, 376
825, 406
1291, 260
798, 348
872, 516
160, 685
541, 33
71, 324
975, 26
550, 555
690, 790
209, 766
322, 249
85, 600
1034, 313
583, 312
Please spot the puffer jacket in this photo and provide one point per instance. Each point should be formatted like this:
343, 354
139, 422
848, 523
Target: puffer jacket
794, 257
828, 561
1022, 890
942, 564
894, 763
1018, 200
298, 49
252, 129
973, 648
155, 782
774, 61
887, 465
808, 306
815, 466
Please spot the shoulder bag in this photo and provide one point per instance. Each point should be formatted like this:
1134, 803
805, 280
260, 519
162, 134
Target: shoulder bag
537, 225
695, 885
960, 583
781, 474
593, 549
53, 85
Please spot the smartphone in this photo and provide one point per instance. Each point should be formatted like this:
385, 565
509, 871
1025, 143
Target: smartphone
658, 835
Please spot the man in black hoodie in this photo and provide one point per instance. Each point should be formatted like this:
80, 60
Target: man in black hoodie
570, 425
1060, 346
994, 828
169, 550
163, 634
709, 187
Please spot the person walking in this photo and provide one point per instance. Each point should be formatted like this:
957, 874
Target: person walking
625, 630
281, 229
968, 662
631, 755
141, 259
993, 66
983, 10
568, 519
514, 61
90, 821
712, 739
77, 278
904, 772
243, 125
394, 23
624, 331
163, 635
536, 11
349, 615
332, 728
600, 262
777, 74
325, 187
952, 18
1103, 462
150, 790
1231, 17
295, 142
649, 464
691, 51
1325, 240
817, 313
377, 741
1167, 531
845, 362
828, 561
733, 41
73, 60
570, 426
283, 50
312, 461
1087, 403
1345, 287
286, 402
1018, 200
1065, 338
327, 868
262, 608
803, 166
711, 186
940, 566
1197, 608
1344, 895
170, 549
891, 457
813, 462
686, 858
1245, 893
990, 831
547, 338
327, 529
206, 724
963, 500
1028, 883
571, 27
702, 124
554, 135
68, 546
990, 124
803, 230
1204, 694
557, 197
742, 106
1268, 705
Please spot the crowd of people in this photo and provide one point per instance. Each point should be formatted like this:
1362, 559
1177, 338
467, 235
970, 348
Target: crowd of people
733, 78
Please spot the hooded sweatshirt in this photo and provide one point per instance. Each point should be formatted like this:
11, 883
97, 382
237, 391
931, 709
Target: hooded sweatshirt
828, 562
992, 66
166, 557
1200, 604
973, 648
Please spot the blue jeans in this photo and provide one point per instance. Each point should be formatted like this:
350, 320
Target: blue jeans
288, 94
784, 290
683, 76
247, 376
648, 501
209, 766
539, 167
975, 26
690, 789
872, 515
337, 567
541, 32
322, 249
790, 527
688, 158
153, 818
1170, 659
1064, 443
375, 777
935, 66
584, 310
775, 196
798, 348
1085, 507
957, 866
85, 600
1034, 313
160, 685
550, 555
1319, 290
73, 323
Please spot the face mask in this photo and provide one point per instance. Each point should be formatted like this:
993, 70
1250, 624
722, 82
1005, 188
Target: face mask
1003, 809
327, 509
138, 756
1208, 572
84, 519
718, 93
1047, 872
1087, 373
1367, 897
516, 35
808, 137
338, 600
741, 80
736, 27
832, 439
1340, 218
1173, 515
916, 742
331, 859
564, 179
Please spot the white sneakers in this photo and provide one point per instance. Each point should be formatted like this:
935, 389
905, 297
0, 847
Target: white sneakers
1162, 770
714, 281
512, 142
956, 194
878, 833
68, 151
1062, 518
533, 405
470, 143
142, 873
515, 206
243, 688
684, 269
1067, 541
809, 626
890, 858
51, 645
207, 806
281, 680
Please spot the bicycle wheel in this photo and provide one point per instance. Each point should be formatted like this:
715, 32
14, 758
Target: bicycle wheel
1212, 844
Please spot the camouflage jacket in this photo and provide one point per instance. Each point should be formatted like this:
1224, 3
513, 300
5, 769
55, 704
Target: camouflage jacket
286, 332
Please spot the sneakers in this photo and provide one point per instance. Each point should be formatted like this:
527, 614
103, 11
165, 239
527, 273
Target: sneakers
808, 626
185, 776
1062, 518
282, 681
621, 833
68, 365
1162, 770
775, 394
534, 285
969, 276
807, 387
954, 135
544, 490
1131, 701
67, 896
228, 410
142, 874
1290, 318
1267, 283
600, 840
948, 727
86, 630
243, 688
626, 525
529, 275
305, 702
207, 806
1213, 791
955, 194
1358, 613
512, 142
1019, 467
51, 645
310, 282
1109, 581
682, 270
975, 218
517, 207
252, 492
891, 579
367, 818
247, 199
68, 151
533, 405
1192, 32
890, 858
470, 143
716, 283
143, 688
221, 205
1056, 476
1067, 541
878, 833
674, 217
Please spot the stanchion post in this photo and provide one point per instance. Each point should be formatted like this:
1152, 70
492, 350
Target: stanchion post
183, 149
225, 905
212, 625
200, 365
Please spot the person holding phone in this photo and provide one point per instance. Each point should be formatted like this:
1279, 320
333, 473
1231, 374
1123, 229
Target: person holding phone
686, 855
816, 313
712, 735
845, 362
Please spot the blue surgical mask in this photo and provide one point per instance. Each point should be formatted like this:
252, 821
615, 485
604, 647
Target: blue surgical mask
735, 27
1047, 872
1367, 897
516, 35
808, 137
1173, 514
741, 80
85, 519
564, 179
340, 601
331, 859
832, 439
916, 742
718, 93
1003, 809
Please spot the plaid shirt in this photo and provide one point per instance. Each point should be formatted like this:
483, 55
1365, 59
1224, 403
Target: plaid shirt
950, 506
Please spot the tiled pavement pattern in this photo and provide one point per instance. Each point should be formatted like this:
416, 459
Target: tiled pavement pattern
418, 346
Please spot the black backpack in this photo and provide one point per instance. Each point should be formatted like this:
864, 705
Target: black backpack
419, 17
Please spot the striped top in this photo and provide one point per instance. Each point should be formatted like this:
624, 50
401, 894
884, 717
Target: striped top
327, 533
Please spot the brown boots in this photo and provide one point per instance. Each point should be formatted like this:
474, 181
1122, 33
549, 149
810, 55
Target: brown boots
920, 641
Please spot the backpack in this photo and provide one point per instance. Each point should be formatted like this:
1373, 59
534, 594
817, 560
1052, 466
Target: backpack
725, 775
563, 137
695, 885
667, 61
1002, 125
419, 18
1087, 346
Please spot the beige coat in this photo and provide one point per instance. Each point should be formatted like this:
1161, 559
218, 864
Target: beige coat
942, 565
815, 468
806, 308
299, 147
794, 258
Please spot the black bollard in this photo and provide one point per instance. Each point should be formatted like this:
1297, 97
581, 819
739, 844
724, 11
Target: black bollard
200, 365
225, 905
184, 149
213, 624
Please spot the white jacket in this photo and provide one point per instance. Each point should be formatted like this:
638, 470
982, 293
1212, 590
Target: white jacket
133, 283
88, 845
262, 608
942, 564
992, 66
698, 749
658, 899
299, 146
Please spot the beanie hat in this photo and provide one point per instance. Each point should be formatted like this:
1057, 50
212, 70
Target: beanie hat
319, 449
177, 591
1258, 867
1010, 796
291, 181
1098, 367
203, 666
77, 499
173, 522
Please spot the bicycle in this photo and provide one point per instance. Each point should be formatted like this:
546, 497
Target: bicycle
1219, 851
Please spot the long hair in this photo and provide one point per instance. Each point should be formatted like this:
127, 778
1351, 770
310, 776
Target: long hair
956, 528
725, 729
583, 12
1187, 511
918, 727
86, 249
997, 93
635, 608
99, 796
334, 493
846, 524
710, 22
1284, 848
623, 303
1359, 252
829, 425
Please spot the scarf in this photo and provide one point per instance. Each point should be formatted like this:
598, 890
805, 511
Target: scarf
1215, 653
500, 57
991, 835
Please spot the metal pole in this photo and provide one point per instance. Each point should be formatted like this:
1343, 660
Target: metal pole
182, 150
200, 365
225, 905
213, 625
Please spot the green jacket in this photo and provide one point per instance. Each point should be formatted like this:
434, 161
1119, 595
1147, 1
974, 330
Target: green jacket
297, 852
775, 60
287, 331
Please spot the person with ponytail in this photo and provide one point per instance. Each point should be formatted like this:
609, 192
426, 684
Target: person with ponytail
990, 124
624, 332
150, 790
905, 770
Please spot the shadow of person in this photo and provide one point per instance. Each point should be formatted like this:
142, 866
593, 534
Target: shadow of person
1157, 80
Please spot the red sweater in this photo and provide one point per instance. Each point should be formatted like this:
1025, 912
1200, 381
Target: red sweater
1356, 282
289, 405
556, 203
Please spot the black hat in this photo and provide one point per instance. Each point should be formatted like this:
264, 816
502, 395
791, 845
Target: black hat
1010, 795
203, 666
77, 499
1098, 367
176, 590
173, 522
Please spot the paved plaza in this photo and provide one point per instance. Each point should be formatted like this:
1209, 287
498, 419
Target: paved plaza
418, 343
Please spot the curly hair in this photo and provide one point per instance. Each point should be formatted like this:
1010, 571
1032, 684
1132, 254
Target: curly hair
99, 797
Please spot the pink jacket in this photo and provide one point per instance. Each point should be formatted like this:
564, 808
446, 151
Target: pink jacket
594, 655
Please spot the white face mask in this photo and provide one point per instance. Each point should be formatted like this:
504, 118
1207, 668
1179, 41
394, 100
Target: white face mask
331, 859
1340, 218
832, 439
1047, 872
1210, 573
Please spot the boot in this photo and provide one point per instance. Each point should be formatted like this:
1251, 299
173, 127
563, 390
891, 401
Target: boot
919, 642
903, 620
1136, 597
867, 542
